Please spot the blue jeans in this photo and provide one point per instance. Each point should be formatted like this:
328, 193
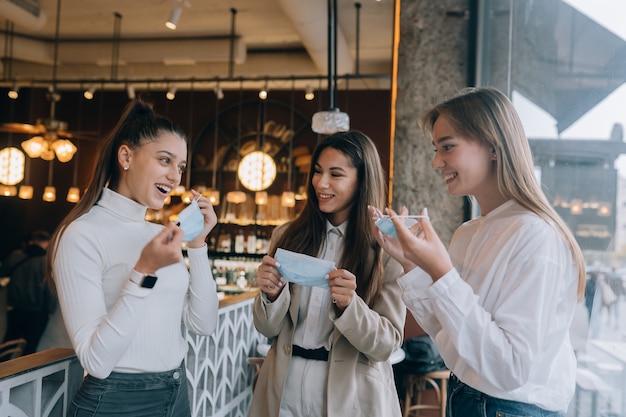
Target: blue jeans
464, 401
162, 394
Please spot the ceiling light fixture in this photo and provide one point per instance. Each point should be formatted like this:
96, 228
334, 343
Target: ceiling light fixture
171, 93
11, 166
264, 92
219, 93
309, 94
13, 92
88, 94
174, 16
256, 171
49, 192
331, 120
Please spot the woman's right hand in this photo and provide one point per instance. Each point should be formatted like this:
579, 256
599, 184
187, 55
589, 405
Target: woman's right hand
390, 244
163, 250
426, 250
268, 279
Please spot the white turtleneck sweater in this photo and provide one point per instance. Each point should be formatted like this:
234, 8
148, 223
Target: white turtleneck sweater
113, 323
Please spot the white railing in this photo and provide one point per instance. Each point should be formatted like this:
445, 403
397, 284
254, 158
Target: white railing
220, 378
39, 385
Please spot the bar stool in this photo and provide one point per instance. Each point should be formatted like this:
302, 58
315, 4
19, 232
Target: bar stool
415, 386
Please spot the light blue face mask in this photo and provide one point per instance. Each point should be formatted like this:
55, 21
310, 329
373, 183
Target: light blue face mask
191, 220
385, 224
303, 269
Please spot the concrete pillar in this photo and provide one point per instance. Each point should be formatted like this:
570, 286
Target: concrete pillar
432, 63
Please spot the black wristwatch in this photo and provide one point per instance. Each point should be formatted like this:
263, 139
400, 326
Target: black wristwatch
143, 280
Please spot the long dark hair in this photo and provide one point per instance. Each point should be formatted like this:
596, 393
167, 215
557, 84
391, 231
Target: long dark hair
138, 124
307, 232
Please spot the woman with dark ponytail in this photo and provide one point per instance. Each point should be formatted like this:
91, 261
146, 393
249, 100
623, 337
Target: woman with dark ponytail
122, 283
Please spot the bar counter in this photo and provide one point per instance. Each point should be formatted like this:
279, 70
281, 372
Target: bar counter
220, 378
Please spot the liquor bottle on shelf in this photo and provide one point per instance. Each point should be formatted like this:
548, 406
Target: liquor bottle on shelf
251, 243
240, 241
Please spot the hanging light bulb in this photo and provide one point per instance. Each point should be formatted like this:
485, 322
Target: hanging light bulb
263, 93
236, 197
49, 194
88, 94
26, 192
309, 94
171, 93
172, 22
35, 146
130, 90
73, 195
219, 93
8, 190
288, 199
64, 149
213, 196
13, 92
261, 198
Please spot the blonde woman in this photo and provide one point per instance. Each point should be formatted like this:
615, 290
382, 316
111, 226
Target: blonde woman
499, 302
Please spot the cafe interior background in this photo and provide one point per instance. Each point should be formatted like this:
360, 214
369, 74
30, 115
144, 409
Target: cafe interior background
70, 66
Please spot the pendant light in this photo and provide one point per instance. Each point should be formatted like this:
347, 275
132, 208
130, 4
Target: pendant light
213, 193
331, 120
50, 192
288, 198
238, 197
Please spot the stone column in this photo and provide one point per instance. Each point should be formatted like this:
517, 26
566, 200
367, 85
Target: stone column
432, 64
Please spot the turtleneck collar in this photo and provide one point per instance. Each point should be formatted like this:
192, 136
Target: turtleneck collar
122, 206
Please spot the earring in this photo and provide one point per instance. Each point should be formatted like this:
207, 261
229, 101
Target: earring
125, 167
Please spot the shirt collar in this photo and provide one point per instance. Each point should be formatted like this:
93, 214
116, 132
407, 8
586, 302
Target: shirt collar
341, 229
122, 206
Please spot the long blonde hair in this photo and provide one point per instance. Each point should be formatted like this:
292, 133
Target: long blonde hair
488, 116
138, 125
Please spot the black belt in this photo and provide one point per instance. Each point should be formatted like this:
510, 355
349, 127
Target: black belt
319, 354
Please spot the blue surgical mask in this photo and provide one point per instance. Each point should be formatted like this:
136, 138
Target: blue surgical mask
303, 269
385, 224
191, 220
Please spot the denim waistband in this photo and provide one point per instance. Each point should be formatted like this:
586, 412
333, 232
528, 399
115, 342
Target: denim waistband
143, 379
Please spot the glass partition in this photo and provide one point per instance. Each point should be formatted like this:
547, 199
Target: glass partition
563, 64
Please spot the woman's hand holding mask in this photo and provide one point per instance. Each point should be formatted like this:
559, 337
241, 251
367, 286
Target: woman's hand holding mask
268, 279
390, 243
164, 249
210, 219
426, 249
342, 285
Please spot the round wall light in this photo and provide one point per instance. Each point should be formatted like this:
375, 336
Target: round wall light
256, 171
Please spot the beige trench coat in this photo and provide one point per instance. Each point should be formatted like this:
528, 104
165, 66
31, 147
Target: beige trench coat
360, 376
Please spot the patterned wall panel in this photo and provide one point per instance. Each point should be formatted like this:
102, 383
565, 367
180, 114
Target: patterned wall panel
220, 379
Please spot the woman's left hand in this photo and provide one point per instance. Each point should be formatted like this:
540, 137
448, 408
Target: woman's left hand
342, 287
210, 219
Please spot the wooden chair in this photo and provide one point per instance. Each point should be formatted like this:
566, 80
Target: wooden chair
11, 349
256, 363
416, 384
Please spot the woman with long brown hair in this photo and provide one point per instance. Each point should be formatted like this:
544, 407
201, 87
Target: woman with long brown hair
332, 342
123, 286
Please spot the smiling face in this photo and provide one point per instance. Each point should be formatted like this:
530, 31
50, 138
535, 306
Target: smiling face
335, 181
467, 165
150, 172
